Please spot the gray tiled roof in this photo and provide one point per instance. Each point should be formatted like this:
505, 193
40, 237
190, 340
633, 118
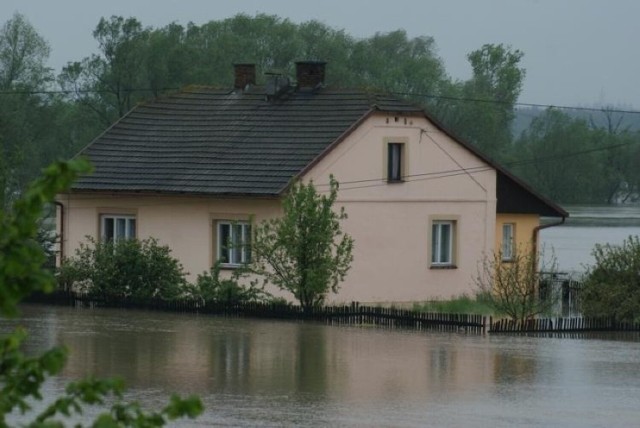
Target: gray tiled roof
223, 142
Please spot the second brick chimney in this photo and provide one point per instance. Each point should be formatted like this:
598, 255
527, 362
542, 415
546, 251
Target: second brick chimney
245, 74
310, 74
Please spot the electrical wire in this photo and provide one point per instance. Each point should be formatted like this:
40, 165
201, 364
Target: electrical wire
405, 94
410, 178
483, 168
521, 104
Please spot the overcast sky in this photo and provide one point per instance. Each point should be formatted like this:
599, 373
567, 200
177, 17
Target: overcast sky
577, 52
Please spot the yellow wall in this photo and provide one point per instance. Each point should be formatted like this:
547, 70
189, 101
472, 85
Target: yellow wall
525, 225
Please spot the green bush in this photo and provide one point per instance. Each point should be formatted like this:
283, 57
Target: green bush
127, 268
211, 288
612, 285
463, 304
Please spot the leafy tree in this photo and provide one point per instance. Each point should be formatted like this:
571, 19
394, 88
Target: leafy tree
618, 169
23, 53
21, 274
612, 285
304, 251
134, 57
127, 268
209, 287
556, 170
573, 160
109, 84
35, 128
516, 288
393, 62
485, 111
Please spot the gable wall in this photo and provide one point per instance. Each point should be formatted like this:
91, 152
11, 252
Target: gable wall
391, 222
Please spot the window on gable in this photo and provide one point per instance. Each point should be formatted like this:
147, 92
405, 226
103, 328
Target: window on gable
234, 243
443, 235
508, 239
395, 159
114, 227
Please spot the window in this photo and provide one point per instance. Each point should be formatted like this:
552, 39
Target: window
394, 161
117, 227
234, 243
442, 242
507, 241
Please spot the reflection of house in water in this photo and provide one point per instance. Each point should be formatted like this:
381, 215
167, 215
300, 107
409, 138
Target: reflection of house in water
217, 355
145, 349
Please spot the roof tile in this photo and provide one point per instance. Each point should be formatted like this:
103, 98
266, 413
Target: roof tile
220, 142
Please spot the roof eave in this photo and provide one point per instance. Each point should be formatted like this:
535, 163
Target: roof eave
551, 205
150, 192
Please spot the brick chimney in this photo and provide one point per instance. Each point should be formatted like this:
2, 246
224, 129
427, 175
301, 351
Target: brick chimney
245, 74
310, 74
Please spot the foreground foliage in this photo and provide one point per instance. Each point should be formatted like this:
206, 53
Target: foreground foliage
612, 285
127, 268
21, 377
517, 288
304, 251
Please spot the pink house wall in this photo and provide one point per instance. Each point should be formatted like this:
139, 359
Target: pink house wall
390, 223
184, 223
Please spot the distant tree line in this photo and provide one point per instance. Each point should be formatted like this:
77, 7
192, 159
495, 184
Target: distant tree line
44, 116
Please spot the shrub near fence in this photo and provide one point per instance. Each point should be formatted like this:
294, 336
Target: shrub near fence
354, 314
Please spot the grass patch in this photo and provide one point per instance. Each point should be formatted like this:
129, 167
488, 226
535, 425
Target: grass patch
463, 304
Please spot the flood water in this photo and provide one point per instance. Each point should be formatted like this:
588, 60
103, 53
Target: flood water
274, 374
263, 373
573, 242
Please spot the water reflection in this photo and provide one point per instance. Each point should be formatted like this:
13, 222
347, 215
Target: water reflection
252, 372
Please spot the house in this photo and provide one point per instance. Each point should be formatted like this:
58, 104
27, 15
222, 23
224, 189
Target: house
192, 169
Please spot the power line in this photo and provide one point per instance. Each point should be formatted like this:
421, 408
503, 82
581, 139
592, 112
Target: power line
523, 104
381, 181
83, 91
408, 94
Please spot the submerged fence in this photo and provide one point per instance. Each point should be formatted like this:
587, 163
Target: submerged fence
354, 314
561, 325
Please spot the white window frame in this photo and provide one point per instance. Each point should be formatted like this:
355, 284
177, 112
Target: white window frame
508, 241
438, 229
393, 159
130, 227
245, 238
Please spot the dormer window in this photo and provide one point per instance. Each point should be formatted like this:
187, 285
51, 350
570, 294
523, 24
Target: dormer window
395, 160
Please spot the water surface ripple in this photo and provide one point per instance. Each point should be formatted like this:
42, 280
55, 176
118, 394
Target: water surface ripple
272, 374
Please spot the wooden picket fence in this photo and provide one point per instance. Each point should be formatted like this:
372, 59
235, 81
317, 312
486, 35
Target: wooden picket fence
352, 315
561, 325
349, 315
